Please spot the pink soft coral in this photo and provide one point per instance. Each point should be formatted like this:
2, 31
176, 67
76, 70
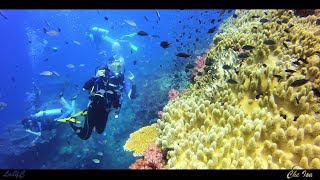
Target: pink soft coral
153, 159
173, 94
139, 164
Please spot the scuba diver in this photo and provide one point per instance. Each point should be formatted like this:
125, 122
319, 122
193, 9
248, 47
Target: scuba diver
44, 120
99, 35
105, 94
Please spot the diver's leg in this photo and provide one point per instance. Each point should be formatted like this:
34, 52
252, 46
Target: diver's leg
98, 112
65, 103
73, 107
85, 131
101, 124
108, 39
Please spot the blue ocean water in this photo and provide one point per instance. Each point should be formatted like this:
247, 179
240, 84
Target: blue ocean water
38, 41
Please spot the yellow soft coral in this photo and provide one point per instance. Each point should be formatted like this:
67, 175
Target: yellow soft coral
139, 140
268, 116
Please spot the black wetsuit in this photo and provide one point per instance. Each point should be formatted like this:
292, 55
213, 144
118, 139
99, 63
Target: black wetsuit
101, 103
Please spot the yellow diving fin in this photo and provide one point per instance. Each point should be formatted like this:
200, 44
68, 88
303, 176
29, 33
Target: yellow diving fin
73, 118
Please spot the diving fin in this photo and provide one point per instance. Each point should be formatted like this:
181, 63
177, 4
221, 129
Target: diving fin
69, 119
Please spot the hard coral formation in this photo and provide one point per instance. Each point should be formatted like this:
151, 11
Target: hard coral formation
139, 140
263, 112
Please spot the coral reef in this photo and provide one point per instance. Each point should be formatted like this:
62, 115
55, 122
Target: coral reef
257, 107
139, 140
173, 94
154, 158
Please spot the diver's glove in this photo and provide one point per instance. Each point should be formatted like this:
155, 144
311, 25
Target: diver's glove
101, 73
131, 76
116, 113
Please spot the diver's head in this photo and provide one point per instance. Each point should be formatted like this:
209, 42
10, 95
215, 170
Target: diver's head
116, 65
91, 37
27, 123
116, 47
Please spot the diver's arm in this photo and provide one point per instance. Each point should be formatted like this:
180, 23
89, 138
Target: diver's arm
131, 92
89, 84
35, 133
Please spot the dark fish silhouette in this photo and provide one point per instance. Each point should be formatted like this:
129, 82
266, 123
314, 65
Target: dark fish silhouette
264, 65
269, 42
254, 16
234, 16
183, 55
142, 33
208, 63
296, 62
277, 76
284, 116
145, 18
165, 44
299, 82
290, 71
316, 92
243, 55
247, 47
212, 30
264, 20
231, 81
286, 30
155, 36
106, 18
226, 67
189, 66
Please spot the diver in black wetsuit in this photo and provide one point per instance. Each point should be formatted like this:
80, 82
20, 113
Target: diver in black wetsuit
105, 94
